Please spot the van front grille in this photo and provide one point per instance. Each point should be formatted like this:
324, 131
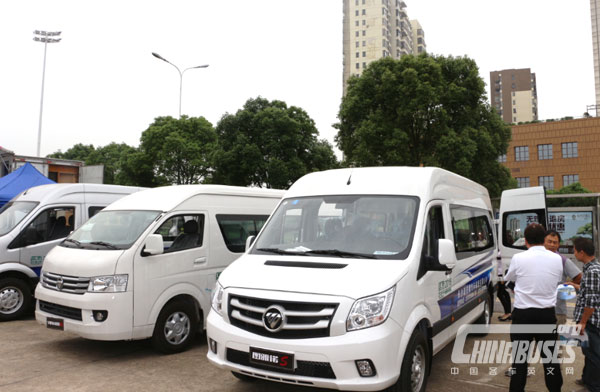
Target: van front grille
64, 283
60, 310
300, 320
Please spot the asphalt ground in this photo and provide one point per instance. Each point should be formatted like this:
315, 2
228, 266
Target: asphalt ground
34, 358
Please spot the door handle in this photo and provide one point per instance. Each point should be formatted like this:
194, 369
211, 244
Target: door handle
200, 260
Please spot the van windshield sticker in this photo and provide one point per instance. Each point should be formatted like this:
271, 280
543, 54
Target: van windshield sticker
384, 252
295, 202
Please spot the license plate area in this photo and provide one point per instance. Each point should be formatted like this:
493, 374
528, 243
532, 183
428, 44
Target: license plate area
273, 359
55, 323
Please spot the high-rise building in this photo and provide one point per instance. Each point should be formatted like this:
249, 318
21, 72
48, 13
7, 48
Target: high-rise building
595, 11
514, 95
418, 37
374, 29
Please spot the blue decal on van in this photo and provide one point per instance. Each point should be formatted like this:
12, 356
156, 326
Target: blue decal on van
37, 270
466, 293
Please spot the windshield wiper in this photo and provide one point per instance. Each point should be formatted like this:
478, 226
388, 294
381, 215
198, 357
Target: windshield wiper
340, 253
73, 241
105, 244
282, 251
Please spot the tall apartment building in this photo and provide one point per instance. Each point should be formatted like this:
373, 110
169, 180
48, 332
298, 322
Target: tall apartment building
418, 37
595, 11
514, 94
374, 29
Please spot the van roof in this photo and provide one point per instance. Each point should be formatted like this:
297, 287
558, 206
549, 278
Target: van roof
427, 183
167, 198
55, 191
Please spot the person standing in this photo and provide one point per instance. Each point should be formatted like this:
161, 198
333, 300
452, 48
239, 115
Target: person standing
587, 312
502, 292
536, 273
570, 273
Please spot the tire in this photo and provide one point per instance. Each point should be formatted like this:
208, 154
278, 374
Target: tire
486, 316
243, 377
416, 365
15, 298
175, 328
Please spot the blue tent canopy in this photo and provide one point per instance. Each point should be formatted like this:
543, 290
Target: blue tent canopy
21, 179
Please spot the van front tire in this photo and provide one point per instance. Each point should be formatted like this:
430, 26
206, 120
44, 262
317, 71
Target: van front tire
415, 365
15, 299
175, 328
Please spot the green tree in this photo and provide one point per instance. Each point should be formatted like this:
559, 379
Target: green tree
572, 201
79, 152
178, 150
424, 110
585, 230
269, 144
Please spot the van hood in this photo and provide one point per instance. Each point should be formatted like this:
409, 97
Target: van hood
81, 262
352, 278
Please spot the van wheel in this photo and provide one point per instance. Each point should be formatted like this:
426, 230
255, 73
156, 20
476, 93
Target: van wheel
243, 377
175, 328
415, 365
486, 316
15, 298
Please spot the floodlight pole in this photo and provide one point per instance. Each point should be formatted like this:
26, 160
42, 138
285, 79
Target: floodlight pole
158, 56
45, 37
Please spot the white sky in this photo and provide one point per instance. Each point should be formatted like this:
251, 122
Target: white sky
103, 85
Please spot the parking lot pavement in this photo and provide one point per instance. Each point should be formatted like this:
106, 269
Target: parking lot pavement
33, 358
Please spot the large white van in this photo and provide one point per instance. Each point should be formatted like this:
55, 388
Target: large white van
359, 277
145, 266
35, 221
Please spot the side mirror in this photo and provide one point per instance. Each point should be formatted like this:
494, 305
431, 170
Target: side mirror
153, 245
249, 241
446, 253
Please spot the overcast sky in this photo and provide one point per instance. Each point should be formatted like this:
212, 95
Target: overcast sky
103, 85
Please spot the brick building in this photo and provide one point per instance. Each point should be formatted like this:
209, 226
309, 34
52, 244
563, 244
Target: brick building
556, 153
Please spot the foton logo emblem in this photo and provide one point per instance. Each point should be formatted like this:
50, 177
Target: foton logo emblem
59, 284
274, 318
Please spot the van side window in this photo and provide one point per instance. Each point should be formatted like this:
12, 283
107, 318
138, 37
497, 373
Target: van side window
50, 224
237, 228
472, 230
93, 211
514, 224
182, 232
433, 232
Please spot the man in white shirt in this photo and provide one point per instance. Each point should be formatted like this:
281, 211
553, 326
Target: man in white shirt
536, 273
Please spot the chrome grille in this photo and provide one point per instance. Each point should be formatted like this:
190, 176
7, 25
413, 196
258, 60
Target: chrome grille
303, 320
64, 283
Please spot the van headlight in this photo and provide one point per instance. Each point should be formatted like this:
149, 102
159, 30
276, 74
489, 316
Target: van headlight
370, 311
217, 299
108, 284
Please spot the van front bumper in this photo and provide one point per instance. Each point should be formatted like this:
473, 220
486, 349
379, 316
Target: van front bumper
380, 345
76, 312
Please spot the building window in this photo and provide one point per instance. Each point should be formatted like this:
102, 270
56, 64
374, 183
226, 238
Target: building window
514, 110
522, 153
522, 182
569, 150
356, 23
364, 33
544, 151
364, 65
502, 158
513, 86
364, 43
364, 12
356, 13
570, 179
364, 54
357, 33
357, 44
513, 93
547, 181
364, 22
357, 66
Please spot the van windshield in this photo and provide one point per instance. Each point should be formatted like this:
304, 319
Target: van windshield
360, 226
14, 212
111, 230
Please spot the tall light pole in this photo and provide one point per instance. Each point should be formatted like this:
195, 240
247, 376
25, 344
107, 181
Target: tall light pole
158, 56
47, 37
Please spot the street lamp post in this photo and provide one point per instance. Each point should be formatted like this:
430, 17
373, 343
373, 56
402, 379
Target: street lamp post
158, 56
47, 37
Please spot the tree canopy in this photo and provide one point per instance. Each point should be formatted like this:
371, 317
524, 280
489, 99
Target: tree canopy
268, 144
424, 110
574, 188
179, 151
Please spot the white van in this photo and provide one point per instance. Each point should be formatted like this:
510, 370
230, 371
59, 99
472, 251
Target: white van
358, 278
145, 266
35, 221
